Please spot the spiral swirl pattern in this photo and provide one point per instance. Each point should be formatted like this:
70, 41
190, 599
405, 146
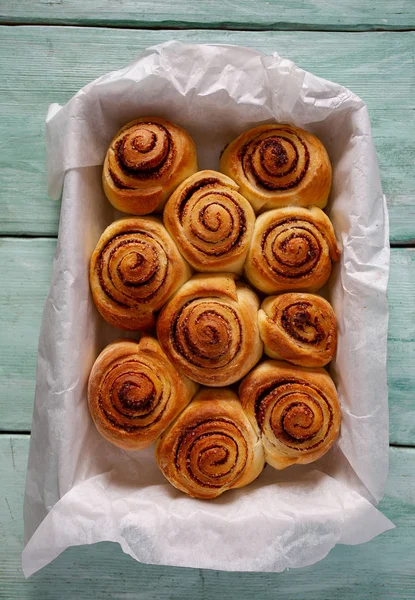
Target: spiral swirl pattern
134, 393
145, 162
276, 165
292, 248
276, 160
134, 269
206, 332
296, 410
211, 447
209, 329
211, 222
299, 328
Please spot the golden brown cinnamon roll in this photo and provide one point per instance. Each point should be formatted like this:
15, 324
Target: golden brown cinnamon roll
146, 161
210, 222
134, 392
278, 165
211, 447
209, 329
134, 269
295, 409
291, 249
300, 328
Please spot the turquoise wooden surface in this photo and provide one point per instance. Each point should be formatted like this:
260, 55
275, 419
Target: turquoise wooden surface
25, 267
380, 570
64, 59
353, 15
44, 63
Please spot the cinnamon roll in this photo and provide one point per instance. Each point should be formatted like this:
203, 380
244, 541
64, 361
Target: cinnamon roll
146, 161
291, 249
295, 409
134, 392
134, 269
210, 222
278, 165
300, 328
209, 329
211, 447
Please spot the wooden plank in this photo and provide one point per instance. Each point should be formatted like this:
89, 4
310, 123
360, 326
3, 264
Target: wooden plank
354, 15
381, 569
25, 267
25, 270
401, 347
41, 65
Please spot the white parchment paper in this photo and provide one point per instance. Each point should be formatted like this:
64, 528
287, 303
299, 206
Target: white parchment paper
81, 489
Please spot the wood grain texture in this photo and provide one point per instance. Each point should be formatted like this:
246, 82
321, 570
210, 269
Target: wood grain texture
381, 569
25, 267
401, 347
25, 270
49, 64
354, 15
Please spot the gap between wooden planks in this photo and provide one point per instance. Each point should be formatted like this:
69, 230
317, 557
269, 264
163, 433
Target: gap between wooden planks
353, 15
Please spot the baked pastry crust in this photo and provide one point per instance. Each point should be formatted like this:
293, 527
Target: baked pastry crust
134, 269
145, 162
291, 249
134, 392
277, 165
211, 447
210, 222
294, 409
209, 329
299, 328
